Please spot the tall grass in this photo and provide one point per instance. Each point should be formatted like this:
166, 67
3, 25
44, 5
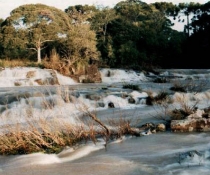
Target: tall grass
51, 135
19, 63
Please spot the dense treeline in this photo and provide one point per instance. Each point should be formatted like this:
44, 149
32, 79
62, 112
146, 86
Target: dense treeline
132, 34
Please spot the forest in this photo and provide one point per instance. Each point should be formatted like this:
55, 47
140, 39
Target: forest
130, 35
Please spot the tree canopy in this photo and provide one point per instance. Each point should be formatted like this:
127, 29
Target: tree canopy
132, 34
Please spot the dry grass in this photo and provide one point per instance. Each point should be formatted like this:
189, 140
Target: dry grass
13, 63
19, 63
189, 86
51, 135
185, 108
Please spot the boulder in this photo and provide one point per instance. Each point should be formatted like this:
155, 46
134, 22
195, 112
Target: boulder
30, 74
189, 125
111, 105
101, 104
194, 122
91, 75
94, 97
161, 127
131, 100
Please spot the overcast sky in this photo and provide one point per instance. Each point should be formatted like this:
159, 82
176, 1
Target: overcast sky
6, 6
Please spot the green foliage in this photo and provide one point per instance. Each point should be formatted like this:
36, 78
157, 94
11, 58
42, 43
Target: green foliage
30, 27
35, 64
160, 98
129, 35
160, 80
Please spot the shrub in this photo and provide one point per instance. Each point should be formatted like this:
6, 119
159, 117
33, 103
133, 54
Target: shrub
160, 98
189, 86
185, 108
160, 80
131, 86
51, 136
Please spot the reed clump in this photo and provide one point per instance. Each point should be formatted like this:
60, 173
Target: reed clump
52, 134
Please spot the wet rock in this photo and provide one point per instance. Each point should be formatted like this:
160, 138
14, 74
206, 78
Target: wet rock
10, 98
189, 125
75, 94
194, 122
91, 75
148, 128
39, 81
111, 105
193, 157
101, 104
161, 127
30, 74
149, 101
83, 78
131, 100
146, 132
17, 83
94, 97
135, 132
197, 115
51, 81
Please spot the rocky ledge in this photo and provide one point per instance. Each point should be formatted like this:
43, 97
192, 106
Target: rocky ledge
198, 121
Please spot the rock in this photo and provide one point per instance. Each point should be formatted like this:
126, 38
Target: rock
94, 97
197, 121
17, 83
146, 132
135, 132
83, 78
101, 104
131, 100
148, 127
111, 105
91, 75
30, 74
197, 115
189, 125
75, 94
161, 127
39, 81
51, 81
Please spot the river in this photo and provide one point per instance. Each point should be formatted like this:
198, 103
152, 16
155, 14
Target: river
161, 153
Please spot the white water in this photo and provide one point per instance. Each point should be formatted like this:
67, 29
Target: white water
161, 153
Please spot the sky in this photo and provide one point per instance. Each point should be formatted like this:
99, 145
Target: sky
6, 6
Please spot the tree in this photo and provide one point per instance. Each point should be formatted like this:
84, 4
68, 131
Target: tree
100, 23
198, 44
1, 38
79, 47
141, 34
80, 13
33, 25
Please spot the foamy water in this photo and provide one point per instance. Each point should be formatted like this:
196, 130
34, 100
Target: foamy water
162, 153
154, 154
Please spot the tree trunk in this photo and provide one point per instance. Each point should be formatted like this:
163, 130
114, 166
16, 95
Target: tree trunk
39, 54
188, 25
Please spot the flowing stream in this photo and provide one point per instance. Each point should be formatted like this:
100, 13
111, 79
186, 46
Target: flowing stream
162, 153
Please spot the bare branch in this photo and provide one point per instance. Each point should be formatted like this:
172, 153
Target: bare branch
45, 41
32, 49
